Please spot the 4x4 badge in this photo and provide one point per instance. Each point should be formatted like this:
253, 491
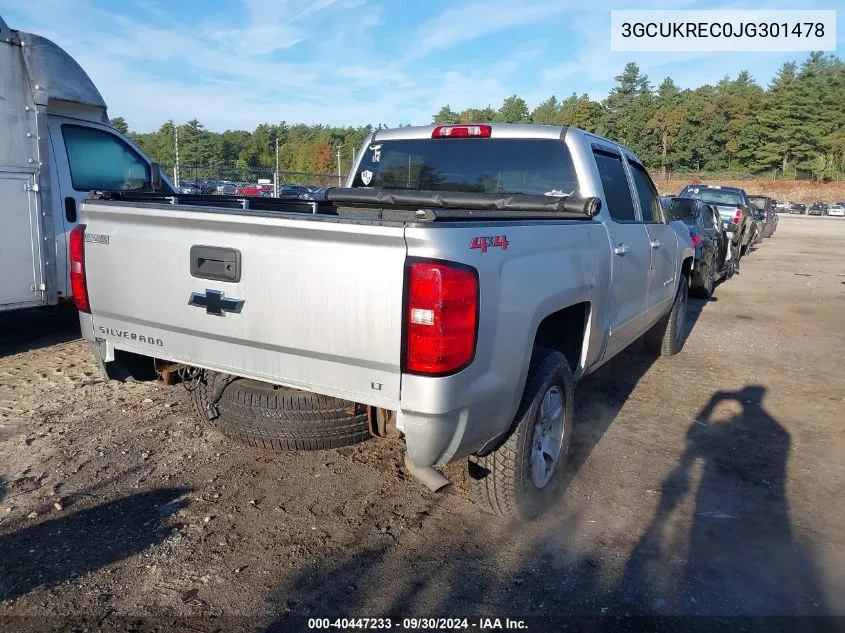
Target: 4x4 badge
215, 303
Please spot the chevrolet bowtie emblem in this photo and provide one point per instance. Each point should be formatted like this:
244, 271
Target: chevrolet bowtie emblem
215, 303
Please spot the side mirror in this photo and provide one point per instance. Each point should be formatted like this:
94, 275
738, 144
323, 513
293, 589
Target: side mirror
155, 176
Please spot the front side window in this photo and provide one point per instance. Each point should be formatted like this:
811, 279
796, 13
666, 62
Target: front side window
617, 192
647, 193
100, 160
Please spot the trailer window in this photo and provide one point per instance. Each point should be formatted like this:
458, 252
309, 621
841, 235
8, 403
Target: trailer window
100, 160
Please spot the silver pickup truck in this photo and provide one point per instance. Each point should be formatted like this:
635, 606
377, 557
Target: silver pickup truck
451, 295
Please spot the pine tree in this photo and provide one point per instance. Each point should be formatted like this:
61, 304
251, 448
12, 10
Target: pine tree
547, 112
627, 111
666, 121
513, 110
445, 116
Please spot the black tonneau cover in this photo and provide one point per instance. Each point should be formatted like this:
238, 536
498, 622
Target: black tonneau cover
459, 200
393, 204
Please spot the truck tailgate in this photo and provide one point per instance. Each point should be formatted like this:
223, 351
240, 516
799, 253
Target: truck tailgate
322, 299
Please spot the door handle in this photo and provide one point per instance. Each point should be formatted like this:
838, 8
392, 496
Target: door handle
622, 249
655, 244
70, 209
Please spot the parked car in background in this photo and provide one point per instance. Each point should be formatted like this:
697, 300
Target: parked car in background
734, 208
710, 240
254, 190
313, 193
818, 208
226, 188
798, 209
188, 188
837, 209
764, 211
757, 227
206, 185
782, 207
294, 191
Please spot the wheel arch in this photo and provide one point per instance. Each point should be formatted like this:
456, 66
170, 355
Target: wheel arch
565, 330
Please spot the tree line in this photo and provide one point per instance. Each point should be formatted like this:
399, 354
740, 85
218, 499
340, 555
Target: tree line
795, 127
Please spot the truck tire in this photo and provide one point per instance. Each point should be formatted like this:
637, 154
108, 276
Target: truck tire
666, 337
280, 418
522, 477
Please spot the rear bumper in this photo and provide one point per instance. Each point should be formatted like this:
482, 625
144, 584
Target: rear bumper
432, 438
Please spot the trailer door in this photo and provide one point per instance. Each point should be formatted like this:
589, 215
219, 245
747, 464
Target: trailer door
22, 275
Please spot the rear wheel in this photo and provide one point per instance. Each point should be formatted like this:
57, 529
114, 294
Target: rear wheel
523, 477
666, 337
279, 418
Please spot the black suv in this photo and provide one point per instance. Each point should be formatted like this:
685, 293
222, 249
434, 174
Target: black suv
764, 211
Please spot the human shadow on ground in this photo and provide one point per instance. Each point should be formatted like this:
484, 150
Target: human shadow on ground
740, 555
735, 557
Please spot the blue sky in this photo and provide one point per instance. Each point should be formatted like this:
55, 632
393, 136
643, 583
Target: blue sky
236, 63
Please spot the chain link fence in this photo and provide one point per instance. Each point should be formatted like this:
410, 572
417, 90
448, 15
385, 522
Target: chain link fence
222, 179
227, 179
688, 176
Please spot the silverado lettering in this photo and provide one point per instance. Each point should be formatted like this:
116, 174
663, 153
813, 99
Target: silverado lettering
131, 336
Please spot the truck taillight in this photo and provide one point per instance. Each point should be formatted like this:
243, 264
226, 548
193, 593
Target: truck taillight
461, 131
441, 318
696, 240
737, 216
76, 251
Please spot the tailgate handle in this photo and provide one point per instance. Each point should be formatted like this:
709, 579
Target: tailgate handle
216, 263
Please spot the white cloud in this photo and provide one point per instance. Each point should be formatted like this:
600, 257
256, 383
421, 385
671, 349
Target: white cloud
319, 61
477, 19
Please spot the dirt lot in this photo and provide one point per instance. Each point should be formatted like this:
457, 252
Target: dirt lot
707, 483
806, 191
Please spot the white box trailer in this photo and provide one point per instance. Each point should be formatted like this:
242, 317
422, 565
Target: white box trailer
56, 145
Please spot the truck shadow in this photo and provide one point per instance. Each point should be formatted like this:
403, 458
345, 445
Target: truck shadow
23, 330
719, 544
57, 550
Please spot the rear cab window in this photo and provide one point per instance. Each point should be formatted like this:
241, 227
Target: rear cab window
475, 165
709, 195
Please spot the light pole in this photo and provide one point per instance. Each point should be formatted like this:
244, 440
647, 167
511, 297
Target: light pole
276, 173
339, 175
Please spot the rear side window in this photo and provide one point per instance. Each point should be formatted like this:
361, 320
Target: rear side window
647, 193
100, 160
477, 165
707, 217
617, 193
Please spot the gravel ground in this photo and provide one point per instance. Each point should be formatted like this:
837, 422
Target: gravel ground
706, 483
